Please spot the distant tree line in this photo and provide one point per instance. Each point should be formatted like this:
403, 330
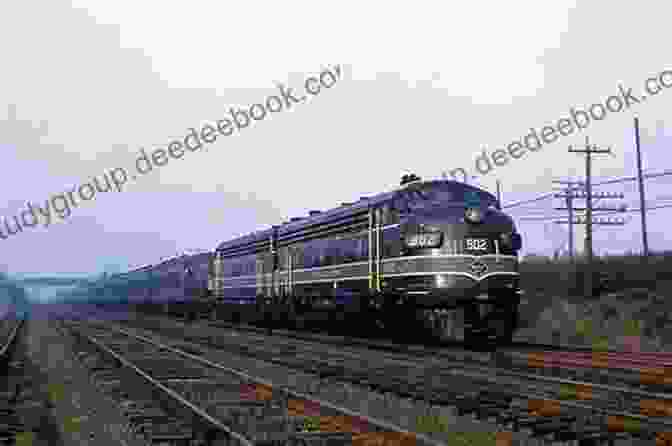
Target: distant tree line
13, 294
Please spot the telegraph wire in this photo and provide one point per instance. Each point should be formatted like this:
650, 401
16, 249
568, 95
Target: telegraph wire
666, 172
651, 208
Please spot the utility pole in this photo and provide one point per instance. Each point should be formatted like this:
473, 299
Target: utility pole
570, 219
499, 193
571, 187
601, 222
589, 150
642, 205
589, 213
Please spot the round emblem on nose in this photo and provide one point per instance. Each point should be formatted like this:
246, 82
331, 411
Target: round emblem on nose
478, 267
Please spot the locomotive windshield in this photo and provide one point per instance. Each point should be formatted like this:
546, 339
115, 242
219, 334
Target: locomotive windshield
442, 194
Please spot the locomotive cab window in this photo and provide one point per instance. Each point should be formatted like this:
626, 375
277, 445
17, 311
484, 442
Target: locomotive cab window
444, 194
389, 215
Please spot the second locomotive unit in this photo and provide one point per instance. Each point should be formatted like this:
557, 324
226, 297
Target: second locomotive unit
438, 253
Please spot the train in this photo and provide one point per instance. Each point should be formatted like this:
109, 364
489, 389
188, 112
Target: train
438, 257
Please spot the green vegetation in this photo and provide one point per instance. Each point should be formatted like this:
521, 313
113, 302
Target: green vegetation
56, 392
632, 327
544, 275
473, 438
432, 423
630, 310
25, 439
311, 424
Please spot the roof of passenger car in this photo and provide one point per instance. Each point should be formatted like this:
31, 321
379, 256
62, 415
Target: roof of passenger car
172, 264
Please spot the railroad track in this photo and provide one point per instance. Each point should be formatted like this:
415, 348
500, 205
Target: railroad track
173, 396
9, 330
25, 416
646, 372
560, 408
431, 346
11, 385
434, 348
382, 342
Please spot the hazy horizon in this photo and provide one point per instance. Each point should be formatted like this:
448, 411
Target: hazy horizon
87, 101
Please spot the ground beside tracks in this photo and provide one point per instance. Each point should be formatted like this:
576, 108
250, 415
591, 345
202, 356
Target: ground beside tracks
635, 319
82, 415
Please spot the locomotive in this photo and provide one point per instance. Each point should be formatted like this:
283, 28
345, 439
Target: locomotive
437, 252
437, 256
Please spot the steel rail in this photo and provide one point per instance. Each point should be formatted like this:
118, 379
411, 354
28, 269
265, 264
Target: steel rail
556, 380
195, 409
433, 352
349, 340
450, 355
653, 421
374, 422
12, 337
378, 423
571, 404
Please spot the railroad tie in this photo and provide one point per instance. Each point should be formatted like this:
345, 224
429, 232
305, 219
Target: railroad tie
11, 428
470, 405
490, 411
553, 425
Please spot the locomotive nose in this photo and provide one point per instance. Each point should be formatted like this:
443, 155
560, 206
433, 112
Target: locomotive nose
471, 230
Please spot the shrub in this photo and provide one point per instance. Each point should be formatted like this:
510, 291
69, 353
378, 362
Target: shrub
611, 274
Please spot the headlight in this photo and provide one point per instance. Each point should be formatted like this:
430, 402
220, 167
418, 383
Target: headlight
426, 240
473, 215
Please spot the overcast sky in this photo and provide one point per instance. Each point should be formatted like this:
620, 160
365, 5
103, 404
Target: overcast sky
424, 88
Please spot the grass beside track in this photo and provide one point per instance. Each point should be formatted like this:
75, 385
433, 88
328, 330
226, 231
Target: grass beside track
631, 312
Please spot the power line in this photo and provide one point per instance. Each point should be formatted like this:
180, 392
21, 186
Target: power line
625, 179
667, 172
518, 203
654, 203
652, 208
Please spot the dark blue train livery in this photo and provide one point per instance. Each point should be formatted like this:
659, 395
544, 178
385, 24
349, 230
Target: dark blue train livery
440, 254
